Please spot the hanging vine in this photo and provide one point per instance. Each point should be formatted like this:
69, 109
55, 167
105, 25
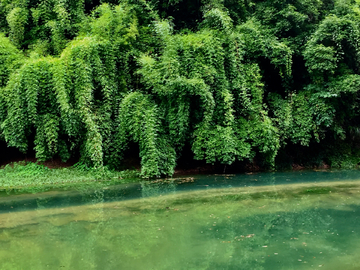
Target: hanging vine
230, 80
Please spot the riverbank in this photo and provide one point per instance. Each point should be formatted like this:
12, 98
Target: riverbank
30, 177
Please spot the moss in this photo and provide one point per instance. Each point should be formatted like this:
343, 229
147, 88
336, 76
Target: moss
316, 191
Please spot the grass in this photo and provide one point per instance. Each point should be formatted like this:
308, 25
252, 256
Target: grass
29, 177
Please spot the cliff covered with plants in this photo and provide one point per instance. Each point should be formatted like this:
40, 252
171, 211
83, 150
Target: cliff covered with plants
231, 80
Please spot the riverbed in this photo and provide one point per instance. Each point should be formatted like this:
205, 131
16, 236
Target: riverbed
289, 220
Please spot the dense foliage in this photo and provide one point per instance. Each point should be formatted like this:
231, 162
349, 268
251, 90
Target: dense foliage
231, 79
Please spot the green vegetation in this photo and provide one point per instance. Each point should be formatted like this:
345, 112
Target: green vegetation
33, 178
229, 79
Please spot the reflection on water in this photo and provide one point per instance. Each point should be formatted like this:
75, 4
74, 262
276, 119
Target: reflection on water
213, 222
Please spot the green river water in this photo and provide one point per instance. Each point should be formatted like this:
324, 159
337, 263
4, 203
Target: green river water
302, 220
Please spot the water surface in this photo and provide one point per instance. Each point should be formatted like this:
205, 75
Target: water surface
303, 220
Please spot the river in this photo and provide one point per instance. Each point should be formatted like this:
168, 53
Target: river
283, 220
